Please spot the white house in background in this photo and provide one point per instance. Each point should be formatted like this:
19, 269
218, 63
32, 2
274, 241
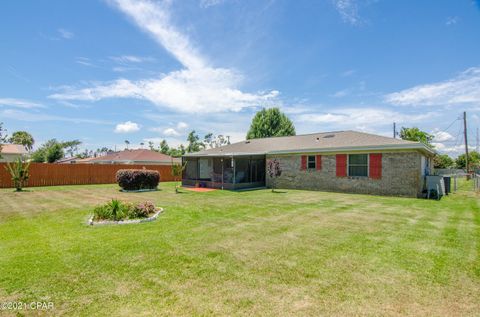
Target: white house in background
10, 152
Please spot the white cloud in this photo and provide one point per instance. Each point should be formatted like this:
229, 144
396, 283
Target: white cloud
36, 117
85, 61
210, 3
171, 132
462, 89
154, 19
127, 127
453, 150
19, 103
182, 125
177, 131
124, 59
66, 34
341, 93
451, 21
442, 136
348, 10
205, 90
196, 88
361, 117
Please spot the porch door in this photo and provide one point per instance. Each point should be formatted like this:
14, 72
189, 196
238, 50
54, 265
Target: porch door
205, 168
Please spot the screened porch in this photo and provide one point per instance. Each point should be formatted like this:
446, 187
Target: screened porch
224, 172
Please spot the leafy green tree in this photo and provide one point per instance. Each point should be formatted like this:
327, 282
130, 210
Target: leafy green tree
213, 141
54, 153
151, 145
270, 122
23, 138
177, 152
71, 147
3, 137
52, 150
473, 160
416, 135
39, 155
443, 161
194, 143
164, 148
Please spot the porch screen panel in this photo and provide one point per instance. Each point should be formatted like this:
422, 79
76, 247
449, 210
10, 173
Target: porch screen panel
227, 170
257, 170
206, 168
217, 170
242, 170
191, 170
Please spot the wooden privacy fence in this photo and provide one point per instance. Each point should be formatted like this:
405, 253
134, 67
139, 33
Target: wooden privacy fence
44, 174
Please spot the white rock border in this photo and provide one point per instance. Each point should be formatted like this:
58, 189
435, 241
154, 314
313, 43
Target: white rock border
90, 221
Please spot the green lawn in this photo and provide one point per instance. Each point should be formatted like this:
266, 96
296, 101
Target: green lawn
242, 253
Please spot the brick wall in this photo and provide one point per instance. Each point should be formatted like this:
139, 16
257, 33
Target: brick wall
401, 175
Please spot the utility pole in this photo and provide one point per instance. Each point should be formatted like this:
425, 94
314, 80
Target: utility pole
466, 140
394, 130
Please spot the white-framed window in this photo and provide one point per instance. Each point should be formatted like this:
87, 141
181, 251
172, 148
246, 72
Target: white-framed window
358, 165
311, 162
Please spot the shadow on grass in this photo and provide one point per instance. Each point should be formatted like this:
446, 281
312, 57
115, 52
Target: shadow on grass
140, 190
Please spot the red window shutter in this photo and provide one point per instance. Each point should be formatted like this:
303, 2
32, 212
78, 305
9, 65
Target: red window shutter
341, 165
303, 167
318, 162
375, 165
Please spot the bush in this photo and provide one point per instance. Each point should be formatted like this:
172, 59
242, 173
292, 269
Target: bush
117, 210
144, 209
136, 179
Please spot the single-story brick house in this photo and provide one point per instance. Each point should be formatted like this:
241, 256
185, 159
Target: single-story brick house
342, 161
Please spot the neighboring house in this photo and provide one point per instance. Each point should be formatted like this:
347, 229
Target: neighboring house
343, 161
135, 157
10, 152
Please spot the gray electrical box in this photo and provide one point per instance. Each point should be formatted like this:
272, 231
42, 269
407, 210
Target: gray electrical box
435, 182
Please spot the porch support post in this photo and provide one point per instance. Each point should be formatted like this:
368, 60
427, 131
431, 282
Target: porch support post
234, 174
221, 160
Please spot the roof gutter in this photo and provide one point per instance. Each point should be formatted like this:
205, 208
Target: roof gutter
223, 154
414, 146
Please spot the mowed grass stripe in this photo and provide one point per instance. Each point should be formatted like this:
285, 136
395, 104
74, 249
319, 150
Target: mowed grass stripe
248, 253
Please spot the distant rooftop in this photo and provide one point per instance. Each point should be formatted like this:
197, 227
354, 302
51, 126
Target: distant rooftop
325, 141
13, 149
139, 155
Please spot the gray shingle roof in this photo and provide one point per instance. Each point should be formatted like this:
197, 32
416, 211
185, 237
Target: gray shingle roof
320, 142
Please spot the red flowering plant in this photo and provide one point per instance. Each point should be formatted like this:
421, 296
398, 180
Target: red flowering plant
274, 171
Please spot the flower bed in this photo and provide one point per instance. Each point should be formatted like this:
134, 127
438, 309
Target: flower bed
119, 212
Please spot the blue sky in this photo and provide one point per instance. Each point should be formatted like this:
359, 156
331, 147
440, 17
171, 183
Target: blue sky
107, 71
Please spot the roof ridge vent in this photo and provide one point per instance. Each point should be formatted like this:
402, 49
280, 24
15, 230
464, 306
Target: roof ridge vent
328, 136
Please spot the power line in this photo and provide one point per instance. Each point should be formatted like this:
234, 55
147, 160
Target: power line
457, 119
